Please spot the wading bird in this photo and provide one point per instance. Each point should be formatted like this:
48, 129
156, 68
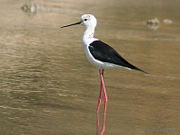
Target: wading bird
101, 56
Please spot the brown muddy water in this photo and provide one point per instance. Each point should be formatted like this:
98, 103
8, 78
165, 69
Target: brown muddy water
47, 86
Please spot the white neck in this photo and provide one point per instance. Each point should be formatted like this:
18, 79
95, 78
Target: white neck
89, 32
88, 35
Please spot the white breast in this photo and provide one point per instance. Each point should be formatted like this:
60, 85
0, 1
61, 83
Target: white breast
89, 56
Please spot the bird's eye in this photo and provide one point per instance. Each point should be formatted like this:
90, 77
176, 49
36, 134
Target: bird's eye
85, 19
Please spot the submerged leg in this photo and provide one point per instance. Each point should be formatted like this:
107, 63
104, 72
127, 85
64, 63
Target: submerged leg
105, 103
99, 103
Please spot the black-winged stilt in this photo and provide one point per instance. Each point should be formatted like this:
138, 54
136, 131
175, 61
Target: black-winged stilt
101, 56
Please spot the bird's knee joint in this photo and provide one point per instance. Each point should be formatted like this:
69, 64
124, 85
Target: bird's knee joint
105, 99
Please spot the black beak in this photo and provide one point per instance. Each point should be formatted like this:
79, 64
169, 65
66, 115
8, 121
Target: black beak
71, 24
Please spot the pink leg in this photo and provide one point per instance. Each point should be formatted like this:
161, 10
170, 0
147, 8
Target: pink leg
99, 103
105, 103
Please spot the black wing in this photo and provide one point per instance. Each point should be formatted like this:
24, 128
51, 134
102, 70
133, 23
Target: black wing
103, 52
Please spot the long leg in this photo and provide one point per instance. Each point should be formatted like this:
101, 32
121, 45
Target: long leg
99, 103
105, 103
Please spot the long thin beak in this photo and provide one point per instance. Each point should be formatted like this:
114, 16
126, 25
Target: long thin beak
71, 24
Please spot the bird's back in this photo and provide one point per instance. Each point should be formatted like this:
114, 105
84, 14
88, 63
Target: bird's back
105, 53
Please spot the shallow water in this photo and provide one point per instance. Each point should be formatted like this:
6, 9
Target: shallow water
47, 86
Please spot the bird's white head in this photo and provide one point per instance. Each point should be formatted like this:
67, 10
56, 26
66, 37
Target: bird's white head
88, 20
